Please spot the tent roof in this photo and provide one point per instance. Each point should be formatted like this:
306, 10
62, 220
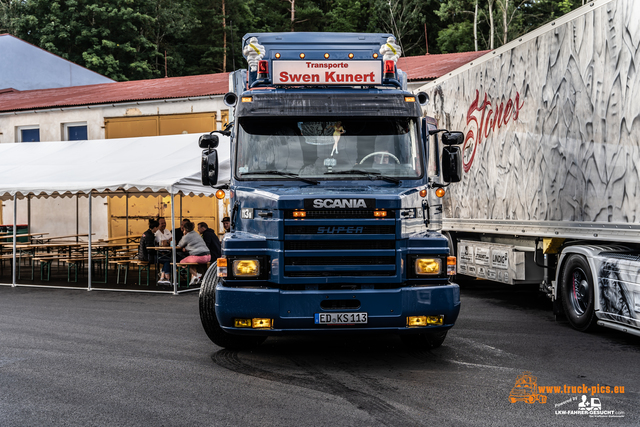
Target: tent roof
160, 164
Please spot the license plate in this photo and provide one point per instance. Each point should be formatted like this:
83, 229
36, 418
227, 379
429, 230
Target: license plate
340, 318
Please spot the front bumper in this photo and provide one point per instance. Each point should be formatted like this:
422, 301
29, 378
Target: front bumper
294, 312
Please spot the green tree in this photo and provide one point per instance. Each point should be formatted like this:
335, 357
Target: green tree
107, 36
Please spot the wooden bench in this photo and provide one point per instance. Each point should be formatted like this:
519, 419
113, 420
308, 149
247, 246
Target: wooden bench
183, 268
122, 264
142, 266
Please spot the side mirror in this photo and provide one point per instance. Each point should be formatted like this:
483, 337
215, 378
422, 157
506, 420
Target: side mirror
452, 138
209, 168
208, 141
451, 163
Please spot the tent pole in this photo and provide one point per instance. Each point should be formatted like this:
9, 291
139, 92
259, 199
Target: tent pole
15, 219
89, 240
126, 220
77, 218
28, 214
173, 242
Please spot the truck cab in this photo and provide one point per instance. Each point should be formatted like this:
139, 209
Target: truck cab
329, 198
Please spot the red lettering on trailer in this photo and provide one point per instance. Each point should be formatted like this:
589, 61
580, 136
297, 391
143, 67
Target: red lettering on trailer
479, 117
295, 78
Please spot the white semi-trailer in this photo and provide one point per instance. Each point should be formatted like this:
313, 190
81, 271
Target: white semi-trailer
551, 185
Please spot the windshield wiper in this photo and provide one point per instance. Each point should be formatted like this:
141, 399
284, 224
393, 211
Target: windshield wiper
287, 174
370, 175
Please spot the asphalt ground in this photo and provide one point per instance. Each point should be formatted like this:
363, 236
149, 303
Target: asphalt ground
78, 358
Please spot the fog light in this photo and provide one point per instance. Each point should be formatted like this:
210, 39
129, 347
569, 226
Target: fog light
242, 323
427, 266
261, 323
416, 321
435, 320
246, 268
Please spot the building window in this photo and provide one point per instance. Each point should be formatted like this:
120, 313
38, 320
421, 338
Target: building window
28, 134
75, 131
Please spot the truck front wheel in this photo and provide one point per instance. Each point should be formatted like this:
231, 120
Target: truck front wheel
210, 321
577, 292
424, 341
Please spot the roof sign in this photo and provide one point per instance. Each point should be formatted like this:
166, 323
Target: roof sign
322, 73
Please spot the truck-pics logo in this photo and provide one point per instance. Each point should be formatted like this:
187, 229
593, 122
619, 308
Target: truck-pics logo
526, 390
482, 119
338, 203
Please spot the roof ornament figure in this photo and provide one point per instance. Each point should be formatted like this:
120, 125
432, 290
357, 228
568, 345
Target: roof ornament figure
253, 52
391, 50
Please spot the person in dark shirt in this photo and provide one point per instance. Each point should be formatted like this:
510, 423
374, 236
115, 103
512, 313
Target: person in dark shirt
180, 231
148, 240
211, 239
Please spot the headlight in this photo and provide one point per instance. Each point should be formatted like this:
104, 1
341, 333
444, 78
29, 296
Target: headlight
427, 266
246, 268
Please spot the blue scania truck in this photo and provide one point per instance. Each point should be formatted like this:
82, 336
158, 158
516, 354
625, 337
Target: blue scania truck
333, 183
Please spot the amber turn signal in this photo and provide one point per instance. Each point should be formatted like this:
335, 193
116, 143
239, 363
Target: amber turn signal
440, 192
423, 193
220, 194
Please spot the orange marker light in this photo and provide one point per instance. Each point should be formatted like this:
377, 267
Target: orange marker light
351, 56
379, 214
423, 193
277, 56
247, 99
326, 56
440, 192
299, 214
220, 194
409, 99
451, 265
375, 56
302, 56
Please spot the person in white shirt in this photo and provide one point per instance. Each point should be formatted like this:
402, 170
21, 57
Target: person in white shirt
163, 238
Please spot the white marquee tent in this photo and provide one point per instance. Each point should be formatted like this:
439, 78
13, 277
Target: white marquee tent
134, 166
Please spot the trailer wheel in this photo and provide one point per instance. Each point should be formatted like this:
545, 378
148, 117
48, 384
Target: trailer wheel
577, 292
210, 321
424, 341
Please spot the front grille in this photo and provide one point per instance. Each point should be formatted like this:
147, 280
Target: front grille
340, 213
339, 229
356, 260
327, 245
340, 273
340, 248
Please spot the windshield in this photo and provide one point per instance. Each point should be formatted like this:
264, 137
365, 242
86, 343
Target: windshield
328, 148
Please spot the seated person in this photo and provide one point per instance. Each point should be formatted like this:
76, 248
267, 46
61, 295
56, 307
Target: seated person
144, 254
211, 239
197, 249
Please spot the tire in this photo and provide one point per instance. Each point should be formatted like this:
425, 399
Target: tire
209, 320
424, 341
577, 291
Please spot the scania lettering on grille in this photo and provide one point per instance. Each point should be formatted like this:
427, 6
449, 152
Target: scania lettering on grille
339, 230
339, 203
